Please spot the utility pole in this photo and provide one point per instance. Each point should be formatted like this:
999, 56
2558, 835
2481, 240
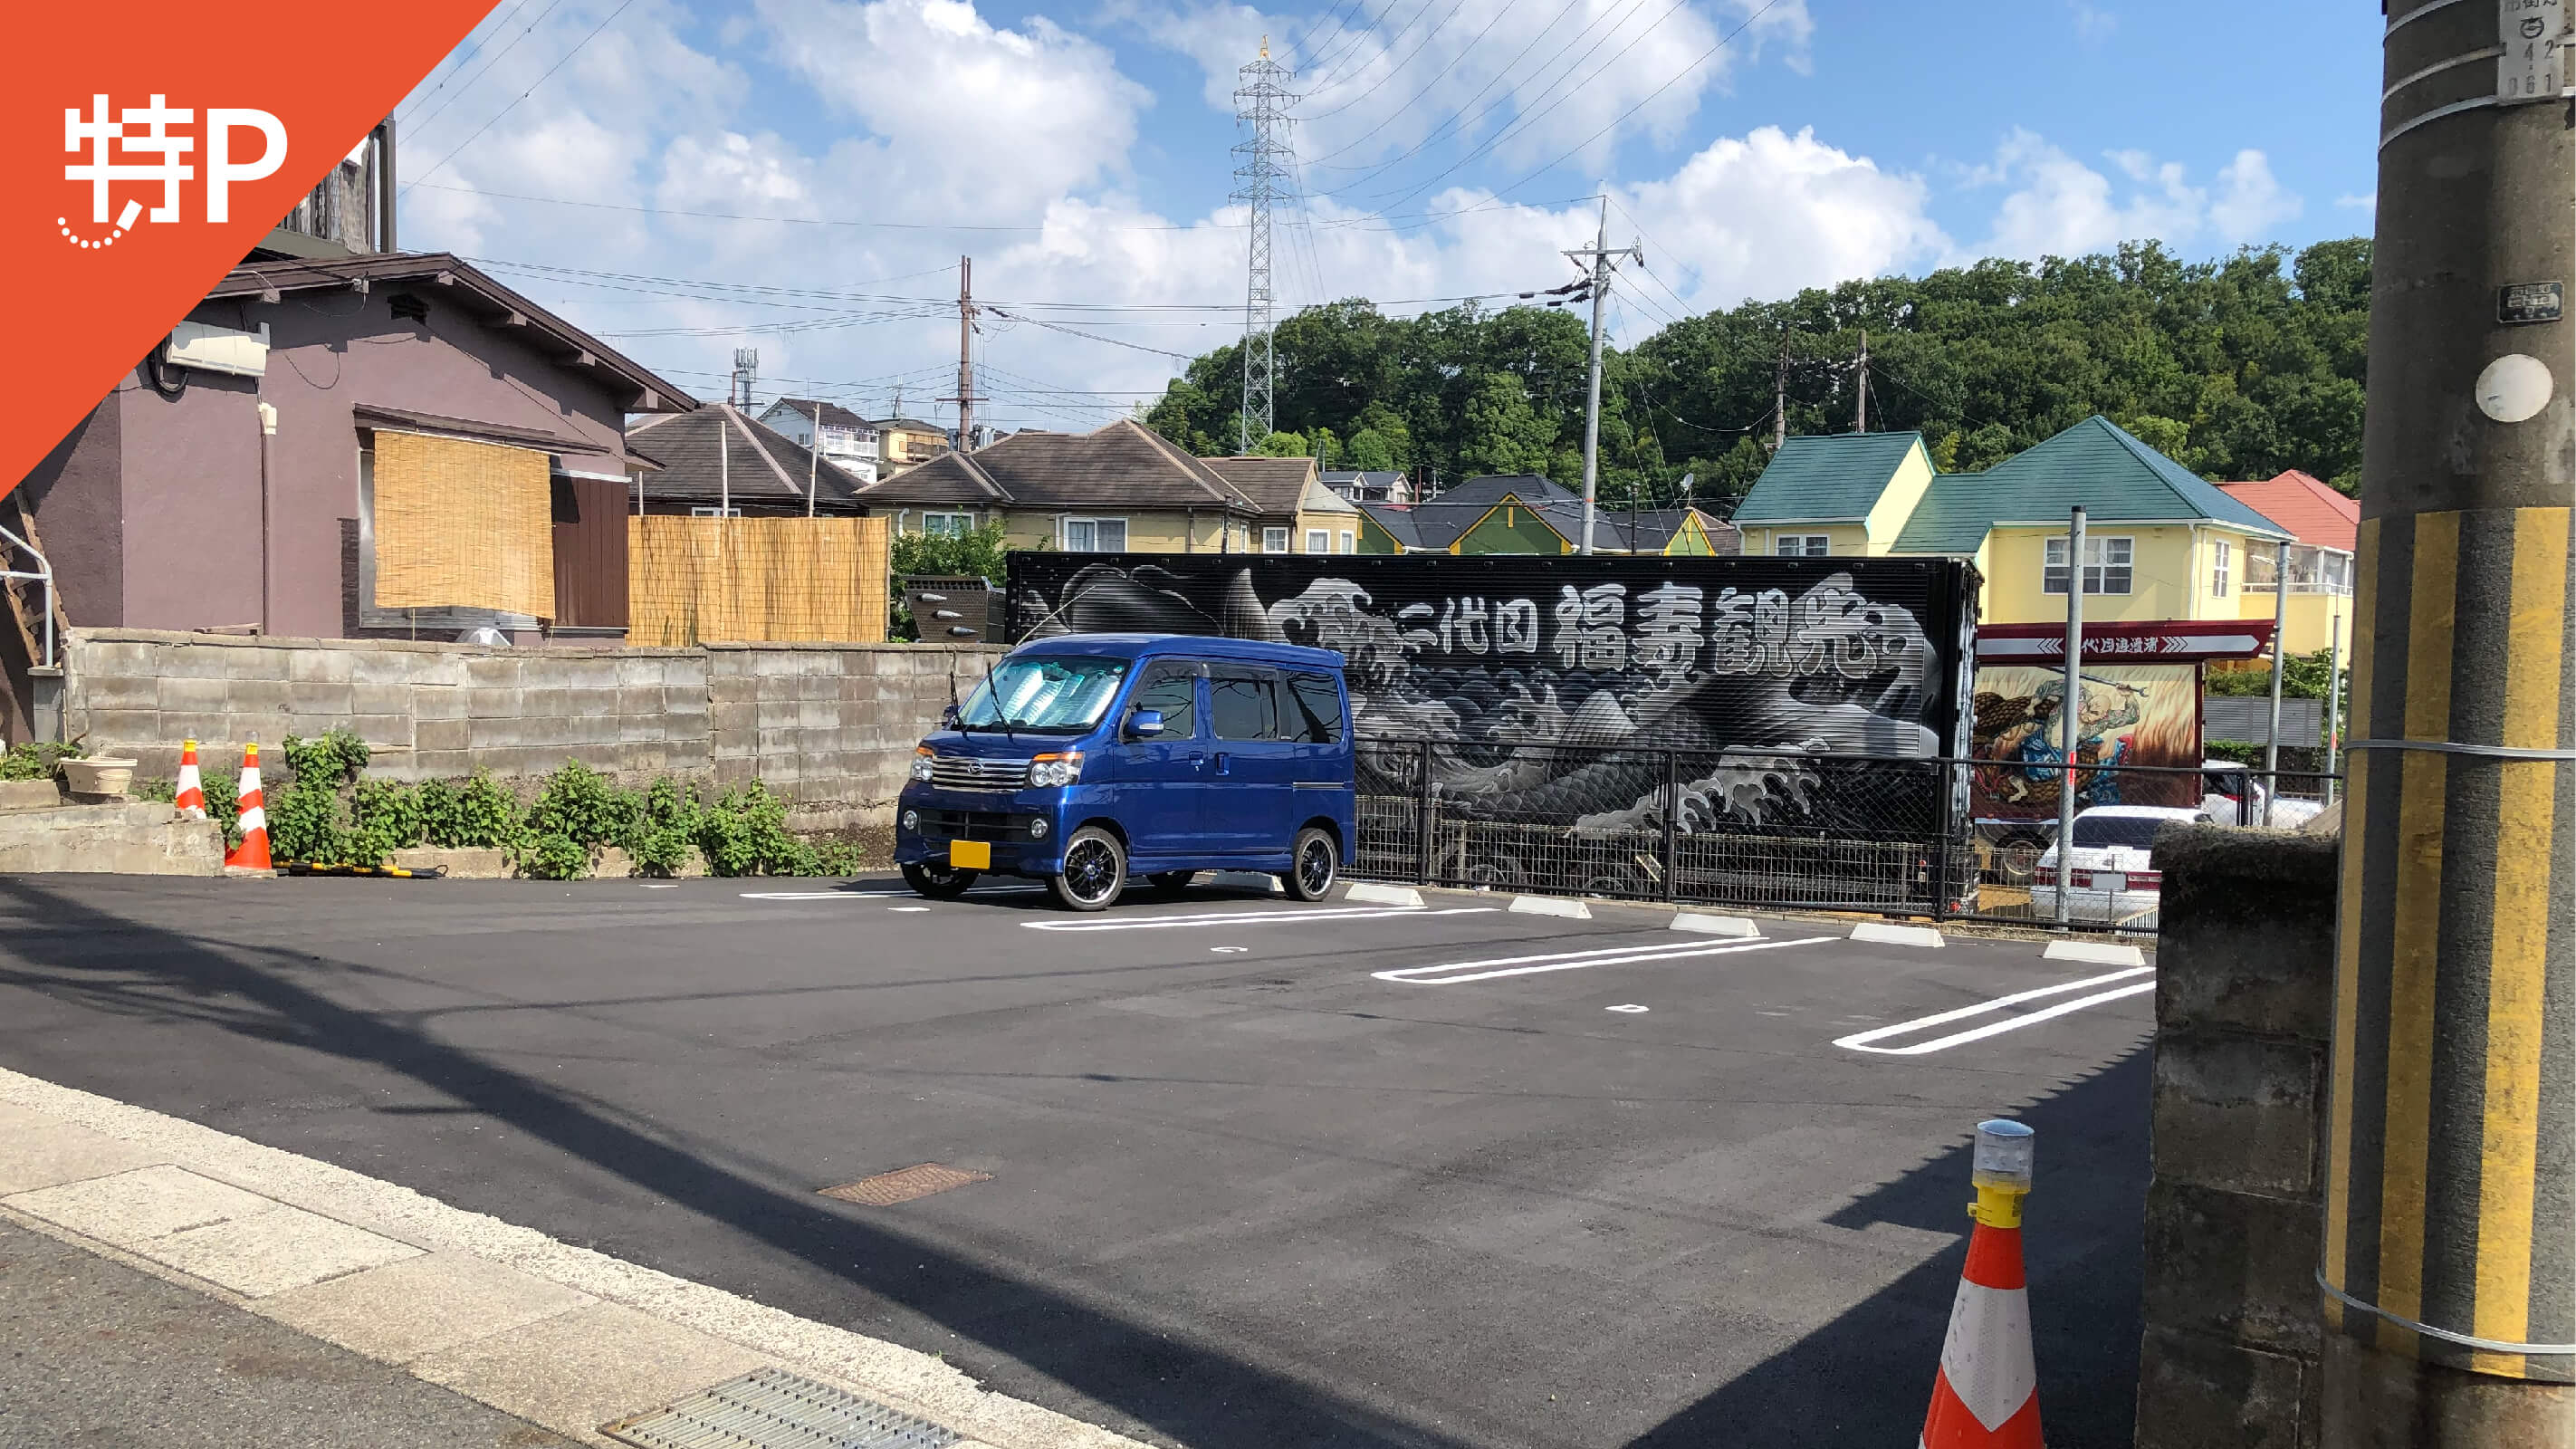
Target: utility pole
1780, 396
2280, 637
2070, 712
1261, 103
2449, 1273
965, 398
2334, 694
1860, 418
1599, 257
814, 461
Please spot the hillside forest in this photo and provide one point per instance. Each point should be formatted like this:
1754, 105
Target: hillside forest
2238, 368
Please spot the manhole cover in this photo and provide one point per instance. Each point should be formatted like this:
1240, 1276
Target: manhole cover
904, 1184
774, 1409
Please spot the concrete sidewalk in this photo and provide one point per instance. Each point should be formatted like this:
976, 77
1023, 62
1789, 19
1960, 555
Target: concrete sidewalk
346, 1275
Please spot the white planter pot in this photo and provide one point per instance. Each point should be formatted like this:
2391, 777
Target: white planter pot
98, 776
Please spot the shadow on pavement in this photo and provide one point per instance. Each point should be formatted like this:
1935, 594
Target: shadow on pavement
1197, 1395
1866, 1377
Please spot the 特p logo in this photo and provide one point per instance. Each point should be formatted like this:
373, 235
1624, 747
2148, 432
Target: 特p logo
151, 144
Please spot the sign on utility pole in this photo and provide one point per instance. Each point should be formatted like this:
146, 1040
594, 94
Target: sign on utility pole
2448, 1270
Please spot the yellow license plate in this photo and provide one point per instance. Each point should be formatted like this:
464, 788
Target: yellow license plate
970, 855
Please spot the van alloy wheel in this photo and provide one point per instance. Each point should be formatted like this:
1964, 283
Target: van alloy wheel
1314, 862
1093, 872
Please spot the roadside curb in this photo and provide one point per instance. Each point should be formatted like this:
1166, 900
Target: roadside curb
1570, 909
1373, 894
562, 1336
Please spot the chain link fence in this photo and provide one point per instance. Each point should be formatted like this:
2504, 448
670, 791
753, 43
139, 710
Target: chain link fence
1941, 838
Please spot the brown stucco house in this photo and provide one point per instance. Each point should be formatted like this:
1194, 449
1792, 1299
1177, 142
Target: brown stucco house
301, 391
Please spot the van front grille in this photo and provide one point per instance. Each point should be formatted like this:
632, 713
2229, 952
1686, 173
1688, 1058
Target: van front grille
992, 825
964, 772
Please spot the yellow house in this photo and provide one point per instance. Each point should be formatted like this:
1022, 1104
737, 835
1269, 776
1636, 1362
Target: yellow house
1119, 489
2160, 542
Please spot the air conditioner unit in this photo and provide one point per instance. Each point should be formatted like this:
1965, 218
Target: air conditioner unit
208, 348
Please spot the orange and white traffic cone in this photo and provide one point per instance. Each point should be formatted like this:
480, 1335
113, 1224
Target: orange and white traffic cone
253, 851
191, 798
1986, 1395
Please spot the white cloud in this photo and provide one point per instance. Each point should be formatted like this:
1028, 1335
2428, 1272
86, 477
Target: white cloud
2367, 205
2250, 201
2062, 207
2093, 25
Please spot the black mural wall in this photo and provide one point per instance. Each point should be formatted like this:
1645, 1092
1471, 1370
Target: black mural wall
1553, 686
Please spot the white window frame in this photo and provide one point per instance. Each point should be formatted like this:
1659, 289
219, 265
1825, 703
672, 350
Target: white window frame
710, 510
1064, 534
952, 525
2218, 579
1350, 540
1319, 540
1274, 540
2108, 559
1802, 545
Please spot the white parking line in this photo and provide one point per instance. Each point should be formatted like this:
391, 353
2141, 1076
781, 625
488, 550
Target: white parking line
873, 895
1575, 961
1247, 918
1862, 1041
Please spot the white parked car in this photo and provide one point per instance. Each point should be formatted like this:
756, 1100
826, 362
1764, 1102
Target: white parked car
2231, 794
2111, 878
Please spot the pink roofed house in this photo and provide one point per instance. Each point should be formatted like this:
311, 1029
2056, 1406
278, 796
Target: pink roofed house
2327, 526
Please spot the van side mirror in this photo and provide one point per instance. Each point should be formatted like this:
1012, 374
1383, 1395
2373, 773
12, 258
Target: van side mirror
1144, 724
948, 718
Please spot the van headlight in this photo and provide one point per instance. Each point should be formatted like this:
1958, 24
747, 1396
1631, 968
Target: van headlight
1049, 771
921, 762
912, 820
1037, 827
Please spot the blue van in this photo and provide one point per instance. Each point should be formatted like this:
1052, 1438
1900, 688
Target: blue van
1085, 759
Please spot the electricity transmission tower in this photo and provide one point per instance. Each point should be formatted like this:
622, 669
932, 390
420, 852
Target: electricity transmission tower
1261, 103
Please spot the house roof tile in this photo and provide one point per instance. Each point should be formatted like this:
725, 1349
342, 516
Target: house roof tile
832, 413
752, 464
2310, 508
2117, 478
1829, 478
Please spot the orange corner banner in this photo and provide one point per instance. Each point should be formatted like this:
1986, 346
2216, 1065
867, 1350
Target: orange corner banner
146, 147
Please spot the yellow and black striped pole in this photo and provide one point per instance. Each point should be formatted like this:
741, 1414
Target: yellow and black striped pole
2449, 1244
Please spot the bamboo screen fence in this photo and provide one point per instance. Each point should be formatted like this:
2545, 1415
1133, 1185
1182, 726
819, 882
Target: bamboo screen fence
462, 525
755, 580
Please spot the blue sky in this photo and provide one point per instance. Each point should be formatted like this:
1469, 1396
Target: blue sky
1080, 154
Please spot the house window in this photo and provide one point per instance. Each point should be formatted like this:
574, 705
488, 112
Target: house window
1350, 541
1274, 540
2107, 565
948, 525
1801, 545
1319, 540
711, 512
2218, 570
1095, 535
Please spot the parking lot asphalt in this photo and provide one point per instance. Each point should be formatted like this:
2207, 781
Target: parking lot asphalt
1260, 1174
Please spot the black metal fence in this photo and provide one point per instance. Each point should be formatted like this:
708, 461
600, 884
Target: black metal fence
1938, 838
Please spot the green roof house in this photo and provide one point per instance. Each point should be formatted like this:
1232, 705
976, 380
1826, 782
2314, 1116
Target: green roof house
2161, 542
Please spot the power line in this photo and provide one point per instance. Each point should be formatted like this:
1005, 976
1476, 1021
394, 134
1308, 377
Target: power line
1437, 77
1379, 168
1075, 332
1704, 57
1394, 67
531, 90
1527, 119
462, 59
422, 121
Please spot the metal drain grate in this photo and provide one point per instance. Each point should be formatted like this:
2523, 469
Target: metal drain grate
773, 1409
904, 1184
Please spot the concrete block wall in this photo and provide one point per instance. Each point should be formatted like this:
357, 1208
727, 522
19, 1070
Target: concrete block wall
830, 726
2244, 1029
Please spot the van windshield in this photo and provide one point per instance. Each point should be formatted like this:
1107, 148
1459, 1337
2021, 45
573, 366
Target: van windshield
1044, 694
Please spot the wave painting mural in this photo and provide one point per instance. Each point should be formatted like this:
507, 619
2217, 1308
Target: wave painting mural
1565, 687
